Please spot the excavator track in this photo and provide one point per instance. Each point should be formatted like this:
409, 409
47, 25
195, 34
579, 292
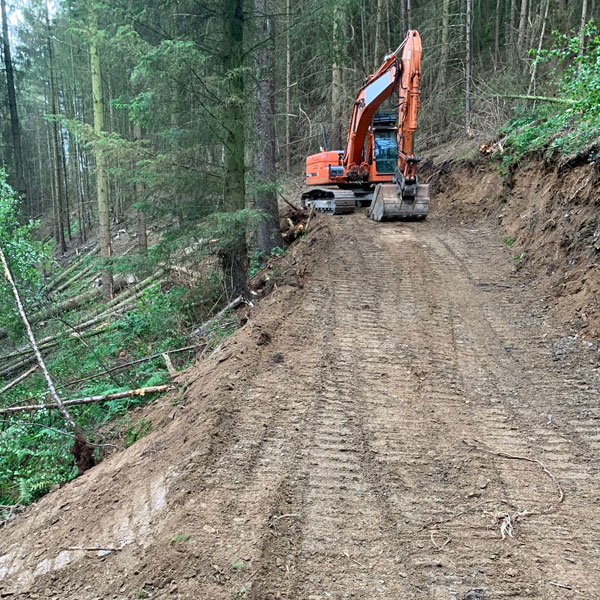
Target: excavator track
330, 201
387, 204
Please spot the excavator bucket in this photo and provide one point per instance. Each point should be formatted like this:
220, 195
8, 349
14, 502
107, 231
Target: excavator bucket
387, 204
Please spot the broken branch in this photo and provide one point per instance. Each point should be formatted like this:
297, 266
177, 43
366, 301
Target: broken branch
90, 399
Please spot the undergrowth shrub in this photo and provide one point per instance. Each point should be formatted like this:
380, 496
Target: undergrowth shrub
570, 126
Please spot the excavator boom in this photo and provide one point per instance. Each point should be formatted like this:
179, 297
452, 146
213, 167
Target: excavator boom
377, 165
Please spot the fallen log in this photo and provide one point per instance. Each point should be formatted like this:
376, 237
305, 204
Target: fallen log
155, 389
567, 101
112, 308
66, 305
202, 329
20, 378
8, 370
131, 364
60, 278
73, 279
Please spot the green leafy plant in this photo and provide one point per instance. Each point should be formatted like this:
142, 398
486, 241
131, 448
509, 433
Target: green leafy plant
180, 538
508, 241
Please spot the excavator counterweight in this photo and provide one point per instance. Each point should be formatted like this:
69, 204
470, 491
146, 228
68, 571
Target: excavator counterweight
377, 166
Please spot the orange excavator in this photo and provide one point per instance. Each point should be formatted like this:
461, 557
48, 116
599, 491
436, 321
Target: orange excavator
378, 167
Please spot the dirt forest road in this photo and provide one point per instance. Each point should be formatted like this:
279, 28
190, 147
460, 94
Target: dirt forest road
358, 438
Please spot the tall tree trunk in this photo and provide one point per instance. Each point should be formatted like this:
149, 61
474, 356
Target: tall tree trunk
468, 69
497, 33
101, 181
545, 8
377, 58
268, 233
404, 15
445, 43
60, 215
510, 40
67, 212
288, 83
408, 14
142, 239
582, 31
234, 259
522, 28
337, 84
15, 127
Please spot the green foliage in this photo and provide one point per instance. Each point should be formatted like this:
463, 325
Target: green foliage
568, 128
258, 260
179, 539
34, 457
136, 432
508, 241
24, 255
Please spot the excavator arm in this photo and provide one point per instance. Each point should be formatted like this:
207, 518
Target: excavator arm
400, 73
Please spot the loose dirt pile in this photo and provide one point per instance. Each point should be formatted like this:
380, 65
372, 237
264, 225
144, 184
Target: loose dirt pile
550, 217
372, 431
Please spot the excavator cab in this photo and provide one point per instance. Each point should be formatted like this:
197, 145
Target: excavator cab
385, 143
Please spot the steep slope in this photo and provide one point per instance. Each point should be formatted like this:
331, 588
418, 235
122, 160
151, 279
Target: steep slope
335, 446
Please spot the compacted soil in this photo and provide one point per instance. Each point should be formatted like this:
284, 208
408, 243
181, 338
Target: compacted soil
401, 418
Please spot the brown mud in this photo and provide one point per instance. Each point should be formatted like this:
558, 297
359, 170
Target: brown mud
355, 439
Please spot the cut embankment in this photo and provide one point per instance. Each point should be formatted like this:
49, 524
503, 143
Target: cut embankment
549, 219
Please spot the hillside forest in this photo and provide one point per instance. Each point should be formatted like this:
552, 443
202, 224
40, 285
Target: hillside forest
148, 148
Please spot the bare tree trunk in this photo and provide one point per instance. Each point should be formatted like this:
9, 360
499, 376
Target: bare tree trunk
101, 181
288, 83
363, 35
234, 259
267, 233
522, 28
337, 85
445, 43
542, 32
60, 223
142, 239
82, 451
468, 69
404, 15
15, 127
67, 215
408, 14
377, 55
582, 31
63, 410
497, 33
510, 40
